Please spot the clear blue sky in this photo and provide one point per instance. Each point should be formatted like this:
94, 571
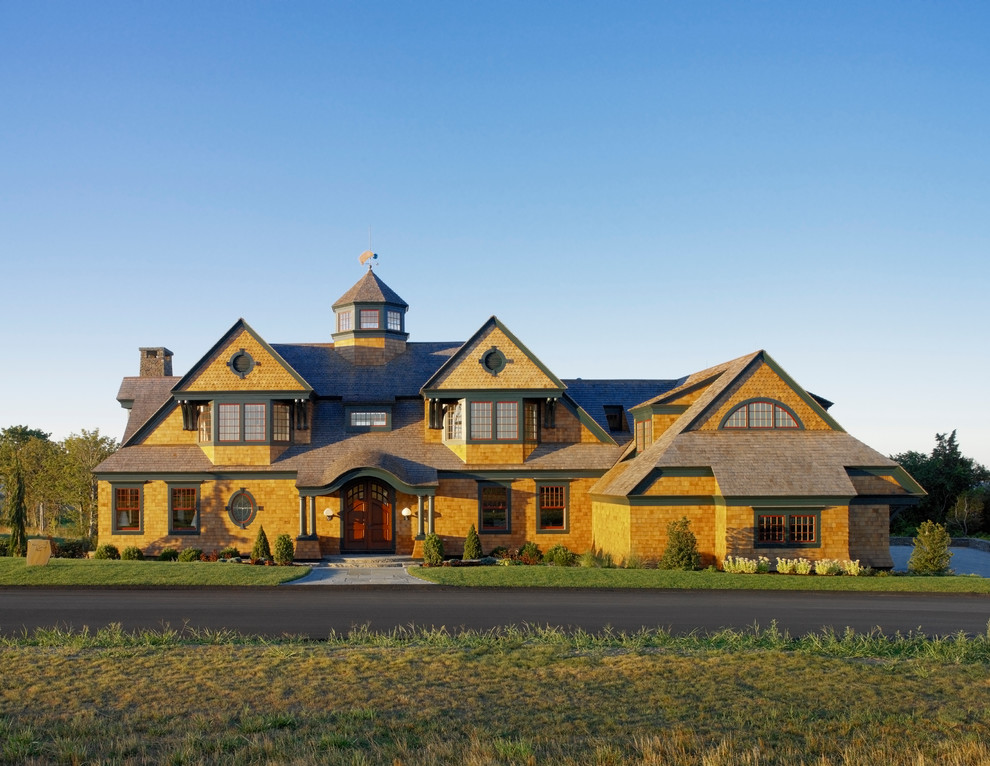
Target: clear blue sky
636, 189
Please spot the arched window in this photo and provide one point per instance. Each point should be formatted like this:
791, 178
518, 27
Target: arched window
761, 413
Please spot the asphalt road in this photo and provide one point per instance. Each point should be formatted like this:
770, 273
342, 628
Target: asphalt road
315, 612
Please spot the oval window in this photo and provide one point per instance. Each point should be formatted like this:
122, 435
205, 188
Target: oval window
242, 508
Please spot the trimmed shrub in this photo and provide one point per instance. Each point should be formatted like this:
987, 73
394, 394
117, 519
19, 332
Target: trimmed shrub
743, 565
500, 552
168, 554
190, 554
559, 556
472, 545
828, 567
211, 556
107, 551
4, 548
433, 550
261, 551
529, 553
931, 550
72, 549
682, 547
230, 552
132, 553
284, 551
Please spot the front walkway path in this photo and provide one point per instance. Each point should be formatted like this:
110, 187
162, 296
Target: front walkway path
368, 569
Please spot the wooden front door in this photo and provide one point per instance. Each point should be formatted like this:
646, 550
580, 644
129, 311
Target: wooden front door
367, 517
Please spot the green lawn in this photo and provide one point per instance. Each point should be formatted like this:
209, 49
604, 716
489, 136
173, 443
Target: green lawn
579, 577
14, 571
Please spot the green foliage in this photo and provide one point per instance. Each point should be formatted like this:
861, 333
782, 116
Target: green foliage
559, 556
931, 550
529, 553
828, 567
73, 549
472, 545
262, 550
168, 554
595, 559
499, 552
132, 553
682, 547
945, 474
284, 552
190, 554
4, 546
433, 550
230, 552
966, 516
107, 551
17, 512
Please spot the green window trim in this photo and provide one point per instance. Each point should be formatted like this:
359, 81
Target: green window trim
761, 415
494, 501
128, 503
553, 507
179, 502
242, 508
368, 418
787, 528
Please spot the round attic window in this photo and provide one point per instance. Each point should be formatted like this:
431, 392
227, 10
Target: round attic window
241, 363
493, 361
242, 508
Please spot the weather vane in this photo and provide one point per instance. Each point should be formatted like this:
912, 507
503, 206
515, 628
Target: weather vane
368, 255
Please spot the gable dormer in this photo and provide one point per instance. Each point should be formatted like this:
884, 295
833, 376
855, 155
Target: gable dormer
370, 322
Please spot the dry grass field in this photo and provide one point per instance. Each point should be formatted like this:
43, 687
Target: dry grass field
507, 697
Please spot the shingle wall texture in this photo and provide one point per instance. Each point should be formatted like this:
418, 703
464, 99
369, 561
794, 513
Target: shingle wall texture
268, 373
519, 373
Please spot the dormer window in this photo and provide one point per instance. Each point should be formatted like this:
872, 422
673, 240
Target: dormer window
615, 415
761, 414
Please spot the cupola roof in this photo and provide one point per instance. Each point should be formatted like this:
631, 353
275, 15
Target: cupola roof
370, 289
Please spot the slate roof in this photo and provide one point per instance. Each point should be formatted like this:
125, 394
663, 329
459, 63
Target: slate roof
331, 375
593, 395
370, 289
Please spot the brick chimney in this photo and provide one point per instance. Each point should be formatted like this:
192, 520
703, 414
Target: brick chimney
156, 362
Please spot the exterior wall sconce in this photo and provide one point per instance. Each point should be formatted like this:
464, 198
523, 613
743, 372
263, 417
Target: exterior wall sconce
407, 512
328, 513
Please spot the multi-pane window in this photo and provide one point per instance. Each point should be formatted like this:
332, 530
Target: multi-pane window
345, 321
182, 502
507, 420
455, 421
783, 529
644, 434
481, 420
369, 319
531, 421
242, 508
229, 422
204, 423
281, 418
494, 500
255, 422
761, 414
552, 510
394, 319
375, 419
127, 509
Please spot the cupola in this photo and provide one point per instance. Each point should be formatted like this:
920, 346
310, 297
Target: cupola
370, 321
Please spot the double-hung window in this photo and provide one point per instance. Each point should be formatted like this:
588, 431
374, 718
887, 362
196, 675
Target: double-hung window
551, 511
183, 510
493, 500
127, 509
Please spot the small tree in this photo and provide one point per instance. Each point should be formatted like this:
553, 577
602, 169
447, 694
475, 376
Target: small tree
17, 513
967, 514
433, 550
682, 547
931, 550
262, 550
284, 552
472, 545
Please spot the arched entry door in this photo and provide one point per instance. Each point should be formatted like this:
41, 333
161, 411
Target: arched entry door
367, 517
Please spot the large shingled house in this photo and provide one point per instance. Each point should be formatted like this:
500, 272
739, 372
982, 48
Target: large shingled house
366, 442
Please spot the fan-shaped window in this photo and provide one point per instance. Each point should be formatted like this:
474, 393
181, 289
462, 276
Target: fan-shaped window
761, 414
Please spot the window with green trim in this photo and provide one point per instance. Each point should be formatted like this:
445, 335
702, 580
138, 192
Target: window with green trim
345, 321
183, 510
763, 413
788, 528
394, 319
281, 421
127, 503
493, 508
498, 420
370, 319
551, 507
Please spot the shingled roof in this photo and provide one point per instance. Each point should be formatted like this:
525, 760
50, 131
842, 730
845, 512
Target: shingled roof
143, 397
370, 289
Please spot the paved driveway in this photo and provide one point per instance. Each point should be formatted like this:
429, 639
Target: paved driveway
965, 561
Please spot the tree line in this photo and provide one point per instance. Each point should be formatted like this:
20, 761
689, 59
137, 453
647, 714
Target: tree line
48, 486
